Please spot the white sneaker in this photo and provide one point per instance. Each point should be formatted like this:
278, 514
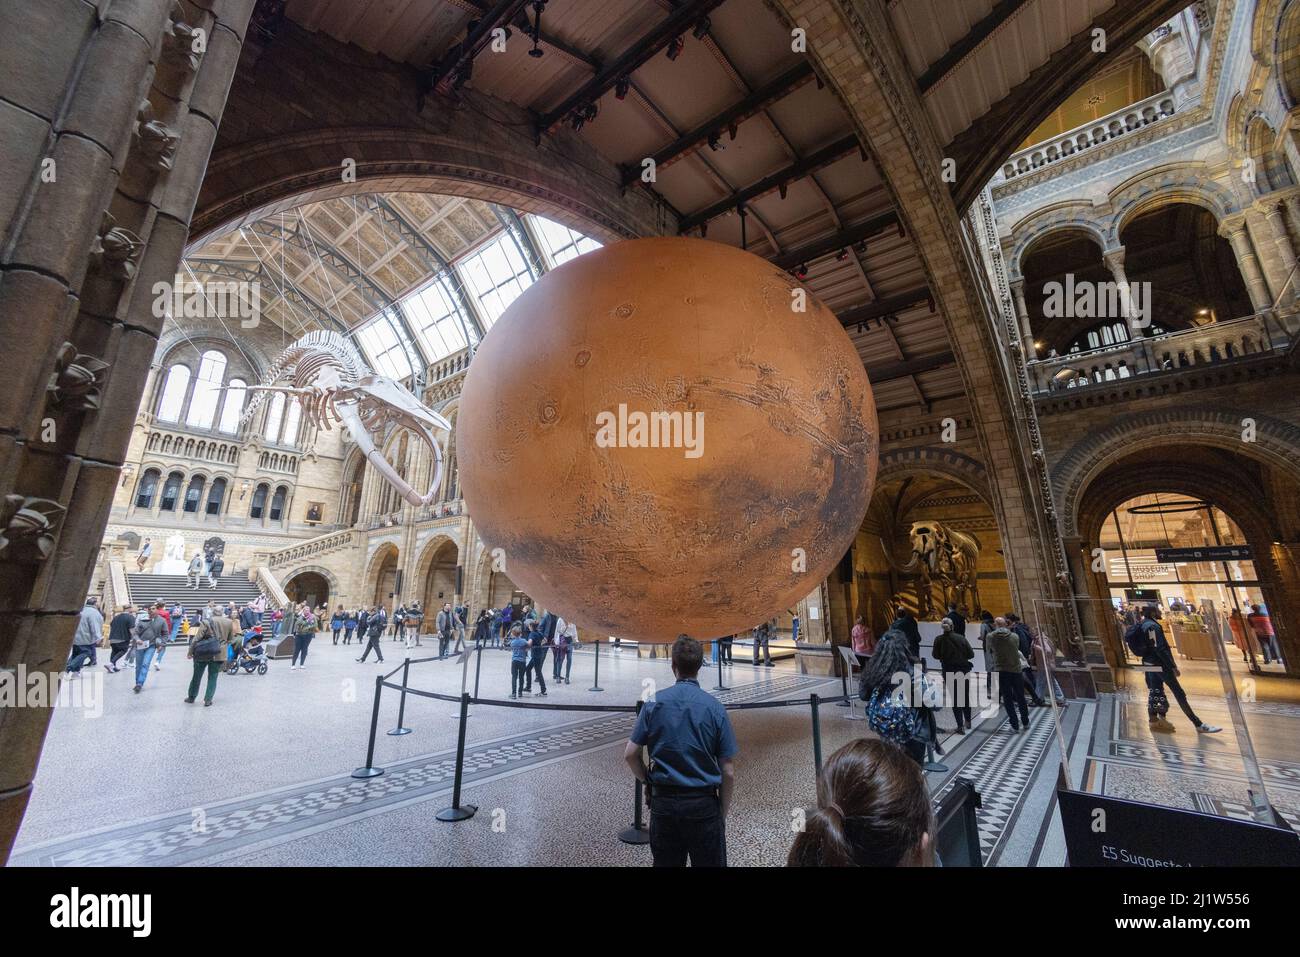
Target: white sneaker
1204, 728
293, 667
157, 667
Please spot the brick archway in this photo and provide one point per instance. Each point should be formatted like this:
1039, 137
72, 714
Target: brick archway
1276, 443
903, 463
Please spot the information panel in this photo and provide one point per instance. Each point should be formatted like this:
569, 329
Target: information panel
1111, 832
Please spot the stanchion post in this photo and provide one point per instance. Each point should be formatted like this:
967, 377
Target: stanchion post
595, 686
478, 665
370, 771
817, 731
638, 833
401, 705
456, 812
720, 686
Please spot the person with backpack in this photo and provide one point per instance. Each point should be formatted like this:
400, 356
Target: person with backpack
215, 569
955, 656
209, 650
1026, 641
372, 625
893, 712
1146, 639
1262, 625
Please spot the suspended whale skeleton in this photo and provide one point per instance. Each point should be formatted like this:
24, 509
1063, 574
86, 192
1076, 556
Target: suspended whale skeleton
331, 380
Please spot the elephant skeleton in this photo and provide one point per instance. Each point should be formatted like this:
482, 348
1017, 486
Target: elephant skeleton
332, 381
944, 556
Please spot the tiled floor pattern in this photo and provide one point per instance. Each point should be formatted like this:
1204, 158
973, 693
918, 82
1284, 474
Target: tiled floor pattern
193, 835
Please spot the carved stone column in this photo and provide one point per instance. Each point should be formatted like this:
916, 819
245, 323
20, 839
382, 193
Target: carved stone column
1234, 230
1017, 287
1114, 260
109, 111
1275, 213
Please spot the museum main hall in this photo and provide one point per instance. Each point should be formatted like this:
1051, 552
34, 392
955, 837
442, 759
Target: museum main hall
586, 433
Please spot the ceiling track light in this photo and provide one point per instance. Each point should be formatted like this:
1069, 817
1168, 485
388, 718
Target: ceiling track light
861, 246
538, 7
782, 189
842, 255
621, 86
801, 271
675, 47
715, 142
702, 28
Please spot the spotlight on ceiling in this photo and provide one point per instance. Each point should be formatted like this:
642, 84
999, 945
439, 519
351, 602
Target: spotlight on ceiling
801, 271
702, 28
621, 86
675, 47
715, 142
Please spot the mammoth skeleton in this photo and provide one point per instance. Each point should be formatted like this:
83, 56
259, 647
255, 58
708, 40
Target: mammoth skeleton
331, 380
944, 556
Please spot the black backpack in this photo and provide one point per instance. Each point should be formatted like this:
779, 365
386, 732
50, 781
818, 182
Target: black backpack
1138, 638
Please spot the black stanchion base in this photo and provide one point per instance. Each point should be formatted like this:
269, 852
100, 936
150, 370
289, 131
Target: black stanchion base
367, 772
597, 688
634, 835
721, 688
462, 813
397, 731
935, 766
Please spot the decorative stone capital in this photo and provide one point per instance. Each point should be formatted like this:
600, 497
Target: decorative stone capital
1233, 227
77, 379
156, 141
27, 527
115, 251
183, 43
1113, 258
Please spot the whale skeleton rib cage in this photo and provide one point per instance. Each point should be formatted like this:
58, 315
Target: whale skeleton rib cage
331, 380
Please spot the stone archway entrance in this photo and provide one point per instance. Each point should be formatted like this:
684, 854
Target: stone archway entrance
440, 577
311, 587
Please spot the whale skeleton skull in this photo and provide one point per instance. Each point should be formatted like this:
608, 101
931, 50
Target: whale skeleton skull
332, 382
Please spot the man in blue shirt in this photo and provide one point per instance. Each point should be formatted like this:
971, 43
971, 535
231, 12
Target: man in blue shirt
688, 737
538, 644
518, 661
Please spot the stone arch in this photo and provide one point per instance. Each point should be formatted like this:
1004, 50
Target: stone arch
1260, 147
1287, 47
1275, 444
902, 463
385, 554
248, 181
422, 587
335, 593
1073, 217
1180, 183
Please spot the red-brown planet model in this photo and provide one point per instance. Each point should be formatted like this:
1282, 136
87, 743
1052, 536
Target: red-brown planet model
667, 435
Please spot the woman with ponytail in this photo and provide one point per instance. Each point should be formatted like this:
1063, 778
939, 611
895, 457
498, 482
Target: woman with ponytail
873, 810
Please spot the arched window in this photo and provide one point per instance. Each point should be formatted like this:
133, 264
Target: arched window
147, 489
207, 390
194, 494
216, 495
258, 508
277, 503
171, 491
291, 420
234, 405
274, 418
173, 394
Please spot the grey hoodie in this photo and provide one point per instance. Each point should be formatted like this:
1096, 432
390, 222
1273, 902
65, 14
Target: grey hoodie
90, 627
1004, 645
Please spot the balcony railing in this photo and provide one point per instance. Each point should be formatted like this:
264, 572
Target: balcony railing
1083, 138
313, 547
1217, 342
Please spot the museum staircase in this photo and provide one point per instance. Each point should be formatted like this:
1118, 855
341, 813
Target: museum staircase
146, 589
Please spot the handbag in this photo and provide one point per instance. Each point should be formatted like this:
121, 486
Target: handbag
890, 719
208, 646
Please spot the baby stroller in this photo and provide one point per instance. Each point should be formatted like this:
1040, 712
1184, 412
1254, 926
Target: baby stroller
251, 657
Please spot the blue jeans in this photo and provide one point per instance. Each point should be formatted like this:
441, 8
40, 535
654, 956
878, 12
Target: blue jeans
81, 654
162, 650
143, 658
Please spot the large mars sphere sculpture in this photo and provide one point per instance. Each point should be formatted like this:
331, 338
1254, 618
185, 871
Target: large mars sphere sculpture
765, 454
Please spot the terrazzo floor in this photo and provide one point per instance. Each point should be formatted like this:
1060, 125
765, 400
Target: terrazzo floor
263, 777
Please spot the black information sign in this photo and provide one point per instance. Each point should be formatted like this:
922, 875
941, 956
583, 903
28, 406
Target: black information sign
1111, 832
1205, 553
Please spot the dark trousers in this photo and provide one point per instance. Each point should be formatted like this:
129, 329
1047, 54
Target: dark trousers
517, 671
1156, 681
444, 639
118, 652
373, 645
724, 650
300, 646
336, 635
1028, 675
347, 636
1011, 689
557, 662
535, 666
687, 825
213, 668
959, 689
81, 654
767, 655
